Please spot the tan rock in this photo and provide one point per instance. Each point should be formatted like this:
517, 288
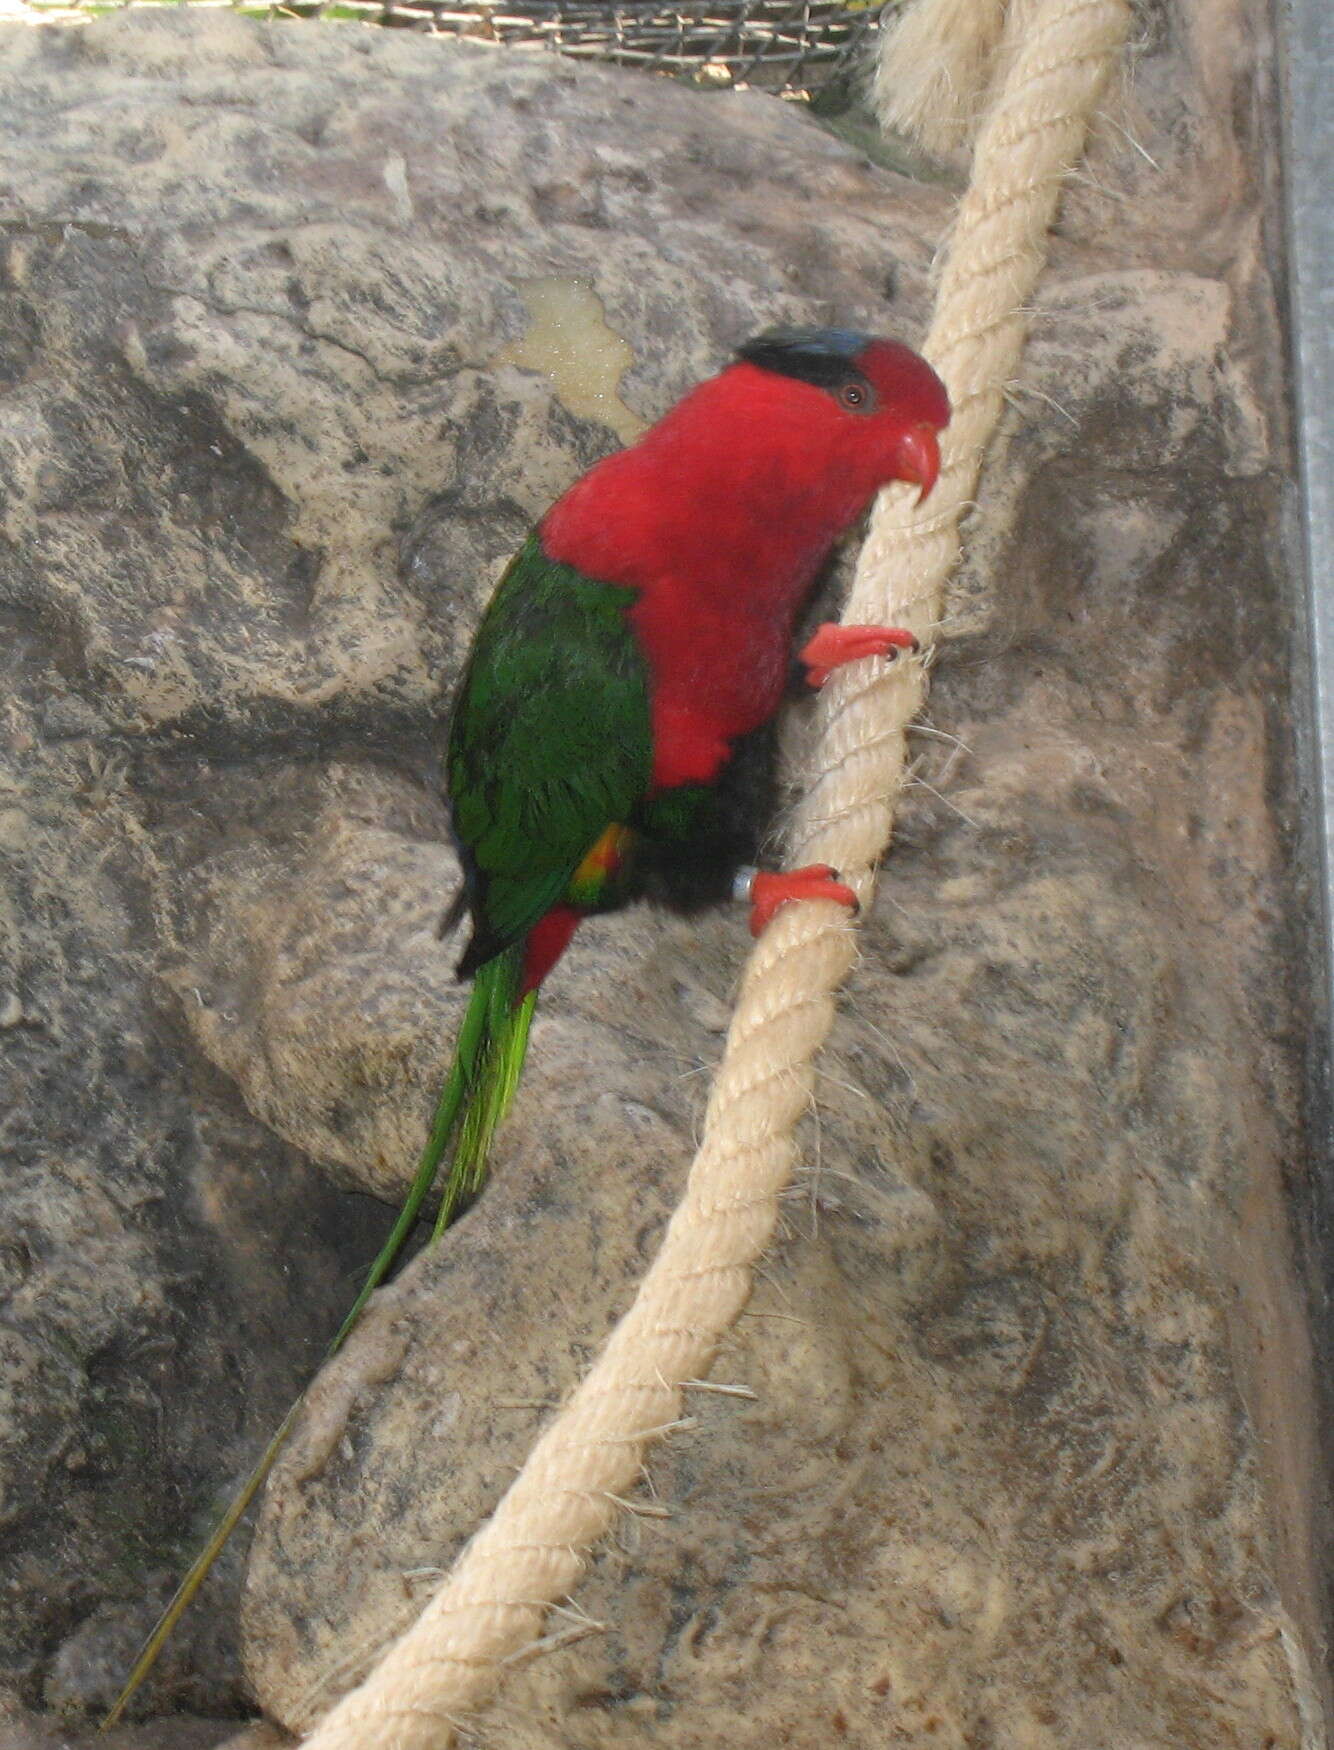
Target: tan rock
1020, 1468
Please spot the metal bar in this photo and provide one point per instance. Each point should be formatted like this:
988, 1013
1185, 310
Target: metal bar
1306, 67
1307, 34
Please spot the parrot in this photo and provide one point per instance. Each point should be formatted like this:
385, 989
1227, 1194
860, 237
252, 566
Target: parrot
611, 737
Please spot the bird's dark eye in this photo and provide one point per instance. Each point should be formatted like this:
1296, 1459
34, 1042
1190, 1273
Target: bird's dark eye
854, 395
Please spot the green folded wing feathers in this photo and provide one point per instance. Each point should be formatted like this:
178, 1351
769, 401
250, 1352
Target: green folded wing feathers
550, 739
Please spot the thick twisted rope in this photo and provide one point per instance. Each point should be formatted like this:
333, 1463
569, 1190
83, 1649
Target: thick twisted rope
1054, 59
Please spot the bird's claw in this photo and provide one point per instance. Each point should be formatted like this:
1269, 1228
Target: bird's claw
817, 881
833, 645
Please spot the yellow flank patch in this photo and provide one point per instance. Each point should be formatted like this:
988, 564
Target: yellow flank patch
604, 858
601, 864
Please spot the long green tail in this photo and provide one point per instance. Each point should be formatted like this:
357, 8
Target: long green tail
488, 1060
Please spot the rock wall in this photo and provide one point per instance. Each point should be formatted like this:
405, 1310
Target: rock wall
1019, 1468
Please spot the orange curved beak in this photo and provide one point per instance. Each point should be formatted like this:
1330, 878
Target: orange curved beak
919, 458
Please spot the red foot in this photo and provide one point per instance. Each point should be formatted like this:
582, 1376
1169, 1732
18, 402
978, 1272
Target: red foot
819, 881
833, 645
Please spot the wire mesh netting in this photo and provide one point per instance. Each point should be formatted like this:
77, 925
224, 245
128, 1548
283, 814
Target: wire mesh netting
774, 44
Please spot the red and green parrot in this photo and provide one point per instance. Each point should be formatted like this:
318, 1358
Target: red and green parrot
608, 739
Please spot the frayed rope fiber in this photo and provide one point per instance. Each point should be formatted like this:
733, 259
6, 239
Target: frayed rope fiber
1052, 62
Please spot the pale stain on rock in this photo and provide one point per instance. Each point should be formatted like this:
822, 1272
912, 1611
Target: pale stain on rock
570, 341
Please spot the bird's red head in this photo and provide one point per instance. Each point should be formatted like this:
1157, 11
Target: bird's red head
883, 404
747, 483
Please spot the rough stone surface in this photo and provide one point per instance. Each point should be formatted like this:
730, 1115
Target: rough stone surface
22, 1730
1018, 1470
257, 469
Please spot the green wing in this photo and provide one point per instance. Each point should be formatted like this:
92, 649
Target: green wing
550, 740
